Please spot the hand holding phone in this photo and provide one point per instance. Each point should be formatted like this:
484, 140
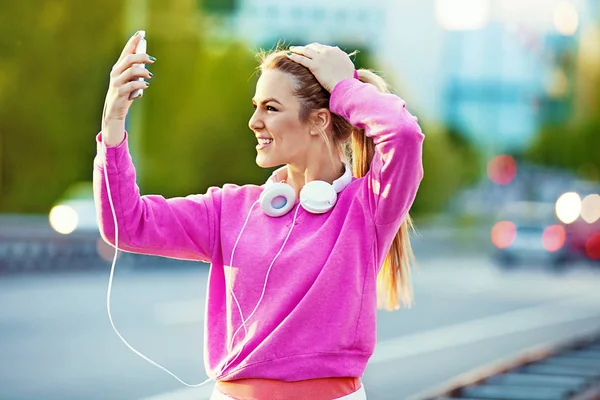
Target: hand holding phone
139, 49
127, 82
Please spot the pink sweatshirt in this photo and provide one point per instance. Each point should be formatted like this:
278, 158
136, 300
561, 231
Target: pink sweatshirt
318, 315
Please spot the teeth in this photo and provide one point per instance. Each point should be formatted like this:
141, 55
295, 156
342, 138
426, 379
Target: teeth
264, 141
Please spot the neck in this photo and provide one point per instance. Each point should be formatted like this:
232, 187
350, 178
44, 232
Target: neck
323, 170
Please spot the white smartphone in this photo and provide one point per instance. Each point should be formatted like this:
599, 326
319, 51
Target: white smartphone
140, 48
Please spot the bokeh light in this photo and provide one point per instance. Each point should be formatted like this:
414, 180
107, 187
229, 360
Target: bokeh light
568, 207
502, 169
63, 219
462, 15
590, 208
504, 234
554, 238
566, 18
592, 246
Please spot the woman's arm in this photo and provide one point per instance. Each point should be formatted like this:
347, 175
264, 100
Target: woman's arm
178, 228
182, 227
396, 169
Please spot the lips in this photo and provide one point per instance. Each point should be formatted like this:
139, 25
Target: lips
263, 142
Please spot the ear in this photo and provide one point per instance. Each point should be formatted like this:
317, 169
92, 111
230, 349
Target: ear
320, 121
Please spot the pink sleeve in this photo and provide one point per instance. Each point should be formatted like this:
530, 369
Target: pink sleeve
181, 227
396, 170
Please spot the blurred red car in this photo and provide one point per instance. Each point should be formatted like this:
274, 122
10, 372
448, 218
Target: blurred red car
580, 212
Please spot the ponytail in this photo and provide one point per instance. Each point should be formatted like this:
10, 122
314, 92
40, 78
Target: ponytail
350, 143
394, 285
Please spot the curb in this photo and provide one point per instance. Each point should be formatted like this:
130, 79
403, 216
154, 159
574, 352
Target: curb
553, 371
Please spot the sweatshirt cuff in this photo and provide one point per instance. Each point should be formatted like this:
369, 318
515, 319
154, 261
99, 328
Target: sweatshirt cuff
340, 96
113, 155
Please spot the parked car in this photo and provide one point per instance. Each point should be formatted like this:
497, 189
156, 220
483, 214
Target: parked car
529, 232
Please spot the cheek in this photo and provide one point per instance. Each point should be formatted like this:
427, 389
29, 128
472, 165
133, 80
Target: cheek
288, 129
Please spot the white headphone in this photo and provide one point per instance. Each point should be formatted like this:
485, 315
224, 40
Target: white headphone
316, 197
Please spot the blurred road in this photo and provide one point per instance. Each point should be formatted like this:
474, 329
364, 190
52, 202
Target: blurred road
56, 341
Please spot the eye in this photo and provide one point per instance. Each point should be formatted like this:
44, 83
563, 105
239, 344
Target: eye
271, 108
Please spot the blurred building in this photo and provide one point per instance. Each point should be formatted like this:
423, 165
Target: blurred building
265, 22
494, 70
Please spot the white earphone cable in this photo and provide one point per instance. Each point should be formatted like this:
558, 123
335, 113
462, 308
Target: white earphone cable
230, 286
244, 321
110, 281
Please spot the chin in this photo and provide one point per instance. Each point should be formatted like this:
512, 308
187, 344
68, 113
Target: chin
265, 162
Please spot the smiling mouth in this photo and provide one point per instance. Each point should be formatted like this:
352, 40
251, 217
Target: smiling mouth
263, 143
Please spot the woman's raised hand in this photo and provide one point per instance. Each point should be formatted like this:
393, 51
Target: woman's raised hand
328, 64
124, 80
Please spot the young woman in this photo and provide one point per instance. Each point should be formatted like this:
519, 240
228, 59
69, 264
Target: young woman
298, 263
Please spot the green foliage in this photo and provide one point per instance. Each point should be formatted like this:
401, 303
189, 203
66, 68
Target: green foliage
187, 133
469, 171
449, 164
219, 6
195, 114
53, 79
574, 146
195, 131
53, 73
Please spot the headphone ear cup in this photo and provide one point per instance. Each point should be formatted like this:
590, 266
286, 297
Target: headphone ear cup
318, 197
277, 199
343, 181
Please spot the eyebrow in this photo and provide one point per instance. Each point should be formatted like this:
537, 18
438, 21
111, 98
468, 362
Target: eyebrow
265, 101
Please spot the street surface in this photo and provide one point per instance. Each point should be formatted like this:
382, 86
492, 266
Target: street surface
56, 341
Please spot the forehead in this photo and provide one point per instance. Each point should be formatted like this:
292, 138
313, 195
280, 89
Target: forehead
274, 84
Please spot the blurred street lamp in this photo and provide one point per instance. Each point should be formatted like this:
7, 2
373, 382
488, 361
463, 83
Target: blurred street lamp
63, 219
566, 18
590, 208
462, 15
568, 207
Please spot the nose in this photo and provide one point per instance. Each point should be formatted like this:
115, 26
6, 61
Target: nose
255, 123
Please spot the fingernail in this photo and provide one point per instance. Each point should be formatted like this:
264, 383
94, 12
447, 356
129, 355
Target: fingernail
150, 73
292, 47
147, 83
152, 58
289, 53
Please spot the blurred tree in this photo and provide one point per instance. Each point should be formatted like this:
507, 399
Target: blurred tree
53, 73
53, 79
196, 112
575, 144
219, 6
450, 163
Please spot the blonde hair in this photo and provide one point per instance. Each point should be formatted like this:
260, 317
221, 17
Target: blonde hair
394, 285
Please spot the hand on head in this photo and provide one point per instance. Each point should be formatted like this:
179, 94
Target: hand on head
328, 64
